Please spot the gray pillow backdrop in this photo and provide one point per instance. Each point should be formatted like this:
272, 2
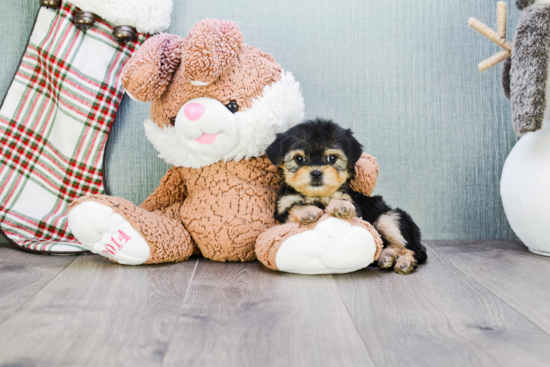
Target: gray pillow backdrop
401, 74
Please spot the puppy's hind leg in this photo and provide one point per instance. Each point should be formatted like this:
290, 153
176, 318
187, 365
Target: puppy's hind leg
411, 233
395, 228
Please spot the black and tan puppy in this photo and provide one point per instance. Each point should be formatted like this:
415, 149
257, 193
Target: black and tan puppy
317, 159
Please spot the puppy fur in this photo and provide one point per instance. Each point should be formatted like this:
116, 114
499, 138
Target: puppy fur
317, 159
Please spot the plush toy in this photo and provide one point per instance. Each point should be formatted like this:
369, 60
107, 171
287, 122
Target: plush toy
217, 103
525, 182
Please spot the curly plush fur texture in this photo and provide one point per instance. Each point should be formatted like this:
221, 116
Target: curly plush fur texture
225, 41
525, 75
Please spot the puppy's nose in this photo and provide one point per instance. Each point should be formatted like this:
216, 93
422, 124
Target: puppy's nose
316, 173
193, 111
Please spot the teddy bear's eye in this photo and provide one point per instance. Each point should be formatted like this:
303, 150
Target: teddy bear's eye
173, 121
232, 106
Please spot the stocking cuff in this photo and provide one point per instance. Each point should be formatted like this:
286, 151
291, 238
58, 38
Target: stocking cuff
147, 16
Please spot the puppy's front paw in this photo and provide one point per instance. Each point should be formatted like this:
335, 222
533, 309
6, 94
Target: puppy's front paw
311, 215
306, 214
341, 209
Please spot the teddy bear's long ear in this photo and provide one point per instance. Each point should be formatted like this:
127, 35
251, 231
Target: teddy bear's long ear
150, 69
211, 47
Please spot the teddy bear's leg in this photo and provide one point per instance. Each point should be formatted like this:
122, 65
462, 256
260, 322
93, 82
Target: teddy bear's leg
119, 230
329, 246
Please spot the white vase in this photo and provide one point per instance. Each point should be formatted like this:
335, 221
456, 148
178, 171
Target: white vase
525, 190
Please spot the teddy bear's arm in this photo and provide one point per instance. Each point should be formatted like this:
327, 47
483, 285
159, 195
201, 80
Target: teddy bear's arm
366, 173
171, 190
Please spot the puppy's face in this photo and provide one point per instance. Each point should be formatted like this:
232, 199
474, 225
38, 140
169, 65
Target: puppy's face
316, 157
320, 171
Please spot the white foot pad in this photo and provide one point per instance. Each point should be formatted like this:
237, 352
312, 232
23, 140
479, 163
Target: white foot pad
107, 233
334, 246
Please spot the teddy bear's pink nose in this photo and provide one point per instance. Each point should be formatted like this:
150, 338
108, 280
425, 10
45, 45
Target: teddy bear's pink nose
193, 111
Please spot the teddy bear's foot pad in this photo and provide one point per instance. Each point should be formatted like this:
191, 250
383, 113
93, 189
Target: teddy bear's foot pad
107, 233
334, 246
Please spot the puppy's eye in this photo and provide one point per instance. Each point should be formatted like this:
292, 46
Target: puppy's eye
332, 159
300, 160
232, 106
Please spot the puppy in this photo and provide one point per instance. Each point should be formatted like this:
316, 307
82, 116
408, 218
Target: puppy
317, 159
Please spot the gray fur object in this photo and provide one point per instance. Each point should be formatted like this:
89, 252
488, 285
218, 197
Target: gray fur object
529, 69
506, 77
522, 4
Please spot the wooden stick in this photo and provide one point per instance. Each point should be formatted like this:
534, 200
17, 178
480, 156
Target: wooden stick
494, 60
489, 33
501, 19
498, 38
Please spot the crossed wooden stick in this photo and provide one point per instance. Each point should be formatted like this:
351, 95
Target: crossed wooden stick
498, 38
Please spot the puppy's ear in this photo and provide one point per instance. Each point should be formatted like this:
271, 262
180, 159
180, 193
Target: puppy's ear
277, 150
352, 148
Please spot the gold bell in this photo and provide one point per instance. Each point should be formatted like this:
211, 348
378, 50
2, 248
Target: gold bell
84, 20
51, 3
124, 33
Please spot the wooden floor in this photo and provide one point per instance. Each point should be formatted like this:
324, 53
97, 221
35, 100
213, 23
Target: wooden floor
473, 304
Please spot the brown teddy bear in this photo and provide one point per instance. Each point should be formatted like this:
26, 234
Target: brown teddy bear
217, 103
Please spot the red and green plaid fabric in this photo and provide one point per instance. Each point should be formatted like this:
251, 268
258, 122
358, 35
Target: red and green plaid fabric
54, 124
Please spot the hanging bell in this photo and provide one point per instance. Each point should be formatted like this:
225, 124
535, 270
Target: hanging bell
54, 4
124, 33
84, 20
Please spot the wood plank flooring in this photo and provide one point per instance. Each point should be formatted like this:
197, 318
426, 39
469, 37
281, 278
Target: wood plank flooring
482, 303
246, 315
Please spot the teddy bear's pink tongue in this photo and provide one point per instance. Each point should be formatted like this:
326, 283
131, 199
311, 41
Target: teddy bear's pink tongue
206, 139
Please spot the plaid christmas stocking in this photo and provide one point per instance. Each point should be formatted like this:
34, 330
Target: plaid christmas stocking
57, 113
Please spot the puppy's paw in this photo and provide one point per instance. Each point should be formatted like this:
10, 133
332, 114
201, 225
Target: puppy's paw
387, 258
311, 215
341, 209
306, 214
405, 264
400, 259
